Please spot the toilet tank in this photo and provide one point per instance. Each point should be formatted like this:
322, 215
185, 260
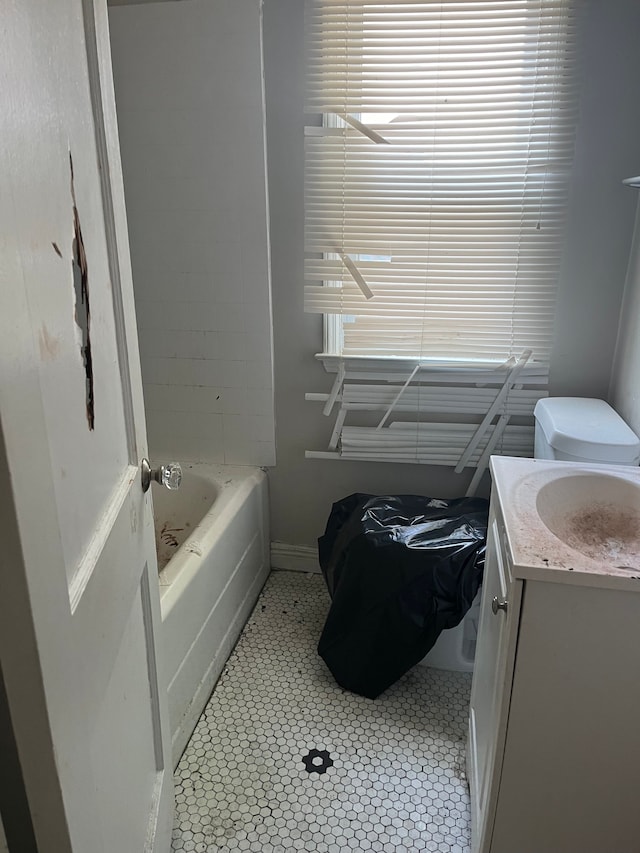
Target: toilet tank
581, 429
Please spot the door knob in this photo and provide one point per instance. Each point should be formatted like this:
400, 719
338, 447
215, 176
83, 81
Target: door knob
496, 604
169, 475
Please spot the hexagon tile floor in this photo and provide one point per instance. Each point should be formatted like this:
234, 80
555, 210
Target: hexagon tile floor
393, 779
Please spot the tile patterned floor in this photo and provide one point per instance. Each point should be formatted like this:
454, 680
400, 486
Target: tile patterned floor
397, 781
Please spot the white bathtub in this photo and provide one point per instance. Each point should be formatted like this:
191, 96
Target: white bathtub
213, 558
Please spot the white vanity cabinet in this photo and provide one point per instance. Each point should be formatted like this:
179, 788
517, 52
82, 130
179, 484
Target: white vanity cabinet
493, 670
553, 755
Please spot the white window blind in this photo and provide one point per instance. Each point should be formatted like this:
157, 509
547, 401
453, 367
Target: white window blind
434, 209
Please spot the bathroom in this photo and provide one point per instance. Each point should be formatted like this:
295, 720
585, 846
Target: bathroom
598, 250
223, 112
226, 370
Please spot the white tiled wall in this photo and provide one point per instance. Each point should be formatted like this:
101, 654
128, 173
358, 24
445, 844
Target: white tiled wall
189, 91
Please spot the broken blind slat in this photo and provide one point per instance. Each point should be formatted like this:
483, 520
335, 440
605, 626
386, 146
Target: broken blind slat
434, 444
415, 399
467, 401
454, 218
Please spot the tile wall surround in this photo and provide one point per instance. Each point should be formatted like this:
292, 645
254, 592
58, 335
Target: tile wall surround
189, 90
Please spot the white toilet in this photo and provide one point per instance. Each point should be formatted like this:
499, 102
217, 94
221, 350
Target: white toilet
580, 429
569, 429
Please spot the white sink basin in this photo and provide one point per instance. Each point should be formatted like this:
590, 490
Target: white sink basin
595, 514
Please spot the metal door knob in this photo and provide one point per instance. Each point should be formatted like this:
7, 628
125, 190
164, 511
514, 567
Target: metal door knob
169, 475
496, 604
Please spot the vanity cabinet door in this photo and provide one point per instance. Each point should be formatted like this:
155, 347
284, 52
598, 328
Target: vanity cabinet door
491, 688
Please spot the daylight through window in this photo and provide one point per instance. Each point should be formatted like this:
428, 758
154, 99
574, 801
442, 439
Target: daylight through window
436, 177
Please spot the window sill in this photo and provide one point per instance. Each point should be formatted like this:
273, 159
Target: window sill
331, 361
401, 365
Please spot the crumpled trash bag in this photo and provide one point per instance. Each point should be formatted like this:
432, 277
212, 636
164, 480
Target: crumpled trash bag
399, 570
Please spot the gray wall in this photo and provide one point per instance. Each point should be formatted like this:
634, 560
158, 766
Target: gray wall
601, 219
602, 211
625, 380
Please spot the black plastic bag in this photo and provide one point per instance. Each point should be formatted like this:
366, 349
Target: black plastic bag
399, 570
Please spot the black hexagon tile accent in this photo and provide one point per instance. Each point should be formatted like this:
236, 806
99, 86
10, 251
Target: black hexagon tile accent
398, 786
317, 761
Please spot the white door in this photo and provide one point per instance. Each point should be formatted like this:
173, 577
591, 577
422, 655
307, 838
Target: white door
79, 600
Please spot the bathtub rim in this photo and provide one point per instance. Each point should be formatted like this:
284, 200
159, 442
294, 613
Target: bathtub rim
234, 483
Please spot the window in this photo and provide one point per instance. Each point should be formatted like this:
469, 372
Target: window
435, 188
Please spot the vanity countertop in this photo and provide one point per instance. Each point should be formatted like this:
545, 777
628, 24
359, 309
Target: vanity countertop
600, 544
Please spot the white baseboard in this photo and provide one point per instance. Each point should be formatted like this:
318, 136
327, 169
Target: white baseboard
297, 558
